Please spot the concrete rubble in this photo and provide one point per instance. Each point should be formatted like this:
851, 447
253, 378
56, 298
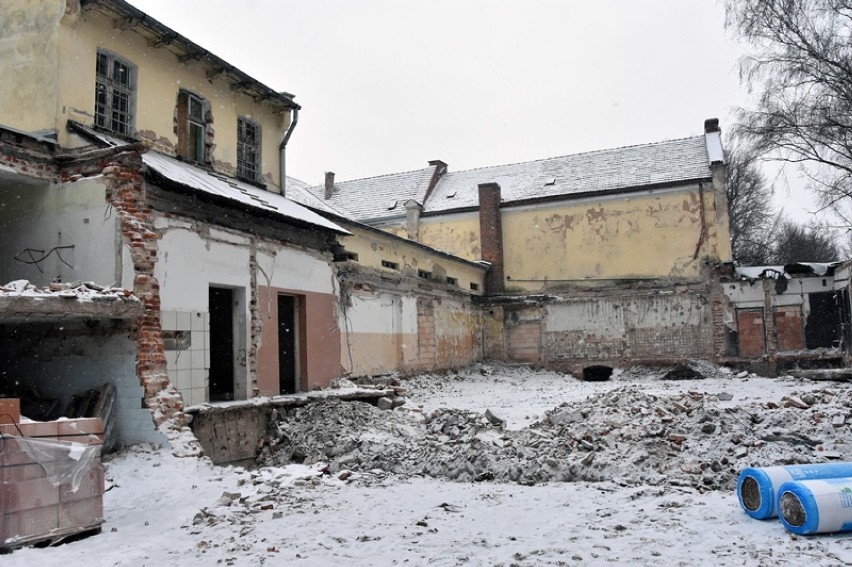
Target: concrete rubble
695, 439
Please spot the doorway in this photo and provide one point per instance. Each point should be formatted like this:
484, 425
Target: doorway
221, 344
288, 344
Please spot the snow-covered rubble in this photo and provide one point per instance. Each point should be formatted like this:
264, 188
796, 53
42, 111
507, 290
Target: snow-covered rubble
352, 501
624, 434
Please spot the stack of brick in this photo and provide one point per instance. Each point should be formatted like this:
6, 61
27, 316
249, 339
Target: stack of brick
34, 506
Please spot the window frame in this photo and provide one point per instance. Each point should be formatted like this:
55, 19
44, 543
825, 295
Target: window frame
249, 169
193, 130
110, 90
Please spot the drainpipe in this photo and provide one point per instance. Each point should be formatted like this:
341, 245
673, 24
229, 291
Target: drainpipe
282, 172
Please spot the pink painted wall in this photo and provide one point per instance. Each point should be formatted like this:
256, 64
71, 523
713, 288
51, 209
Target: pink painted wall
319, 339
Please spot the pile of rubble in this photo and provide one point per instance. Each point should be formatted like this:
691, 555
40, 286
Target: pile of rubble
625, 435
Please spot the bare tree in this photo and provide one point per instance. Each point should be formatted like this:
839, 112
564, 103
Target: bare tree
810, 243
802, 69
752, 219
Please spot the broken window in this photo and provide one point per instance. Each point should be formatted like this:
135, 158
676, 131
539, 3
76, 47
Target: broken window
193, 126
115, 94
248, 149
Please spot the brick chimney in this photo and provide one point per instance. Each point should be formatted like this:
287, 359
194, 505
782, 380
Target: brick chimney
711, 125
329, 184
491, 235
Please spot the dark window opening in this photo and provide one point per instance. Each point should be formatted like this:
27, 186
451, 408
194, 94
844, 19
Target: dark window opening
248, 149
474, 286
352, 256
452, 281
115, 93
391, 265
424, 274
193, 117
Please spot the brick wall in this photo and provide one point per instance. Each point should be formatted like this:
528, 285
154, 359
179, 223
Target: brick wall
126, 193
491, 235
789, 328
752, 334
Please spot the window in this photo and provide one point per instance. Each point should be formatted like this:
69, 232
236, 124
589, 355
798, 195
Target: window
248, 149
424, 274
193, 120
391, 265
474, 286
452, 281
115, 93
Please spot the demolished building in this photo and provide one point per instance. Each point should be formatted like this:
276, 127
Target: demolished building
251, 283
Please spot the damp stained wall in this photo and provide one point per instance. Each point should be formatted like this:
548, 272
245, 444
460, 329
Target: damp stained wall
378, 333
29, 50
650, 234
373, 248
49, 63
43, 218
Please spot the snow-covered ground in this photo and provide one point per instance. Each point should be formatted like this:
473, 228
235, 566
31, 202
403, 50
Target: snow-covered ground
166, 510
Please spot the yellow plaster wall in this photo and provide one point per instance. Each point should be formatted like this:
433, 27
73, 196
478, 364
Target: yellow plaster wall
29, 42
372, 248
159, 77
636, 236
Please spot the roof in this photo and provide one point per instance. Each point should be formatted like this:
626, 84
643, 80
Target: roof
623, 169
297, 190
378, 197
186, 50
225, 187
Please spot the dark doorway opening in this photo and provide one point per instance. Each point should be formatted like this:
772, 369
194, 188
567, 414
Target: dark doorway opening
287, 344
823, 327
221, 344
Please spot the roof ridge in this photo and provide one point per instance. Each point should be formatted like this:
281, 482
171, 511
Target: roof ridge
588, 152
377, 176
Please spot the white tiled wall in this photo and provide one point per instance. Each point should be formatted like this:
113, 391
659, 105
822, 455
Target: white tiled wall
189, 369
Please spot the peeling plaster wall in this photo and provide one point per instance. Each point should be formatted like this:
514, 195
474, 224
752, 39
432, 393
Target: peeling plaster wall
45, 216
385, 332
664, 326
379, 333
29, 45
193, 258
372, 248
159, 78
547, 246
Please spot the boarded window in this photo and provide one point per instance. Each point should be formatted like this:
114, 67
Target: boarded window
248, 149
115, 94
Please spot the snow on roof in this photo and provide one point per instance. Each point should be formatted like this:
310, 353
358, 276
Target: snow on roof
299, 191
672, 161
604, 170
234, 190
378, 197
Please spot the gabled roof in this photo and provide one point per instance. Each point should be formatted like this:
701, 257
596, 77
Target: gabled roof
626, 168
378, 197
629, 168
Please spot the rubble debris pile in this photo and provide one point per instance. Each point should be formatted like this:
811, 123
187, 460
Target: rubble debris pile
626, 435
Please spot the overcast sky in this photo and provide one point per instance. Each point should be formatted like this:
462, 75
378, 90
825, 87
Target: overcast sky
387, 85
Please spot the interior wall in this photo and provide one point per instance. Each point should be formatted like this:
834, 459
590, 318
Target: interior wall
59, 360
69, 225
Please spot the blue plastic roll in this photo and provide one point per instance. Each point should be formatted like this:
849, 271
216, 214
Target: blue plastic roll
816, 506
757, 487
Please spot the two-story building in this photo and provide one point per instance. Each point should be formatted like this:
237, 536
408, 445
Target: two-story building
130, 156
